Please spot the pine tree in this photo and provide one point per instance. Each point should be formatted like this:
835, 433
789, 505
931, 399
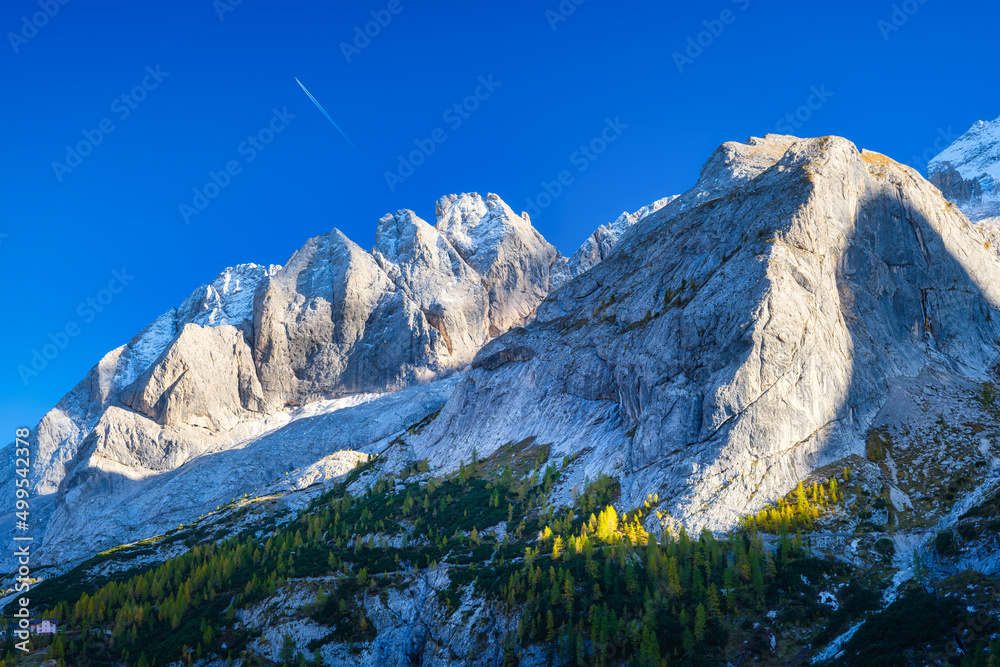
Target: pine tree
649, 649
714, 612
699, 622
287, 652
688, 642
757, 579
568, 590
607, 524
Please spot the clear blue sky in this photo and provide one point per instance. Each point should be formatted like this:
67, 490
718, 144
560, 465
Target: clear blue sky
892, 90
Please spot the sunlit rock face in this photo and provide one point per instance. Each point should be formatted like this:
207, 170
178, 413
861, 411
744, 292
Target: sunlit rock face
510, 255
260, 347
743, 334
968, 172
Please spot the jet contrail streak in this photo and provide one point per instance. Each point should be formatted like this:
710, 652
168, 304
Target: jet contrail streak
320, 107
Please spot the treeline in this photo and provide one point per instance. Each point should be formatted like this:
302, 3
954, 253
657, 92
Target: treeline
590, 585
608, 593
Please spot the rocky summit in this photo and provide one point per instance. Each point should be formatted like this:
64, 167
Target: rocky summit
968, 171
375, 457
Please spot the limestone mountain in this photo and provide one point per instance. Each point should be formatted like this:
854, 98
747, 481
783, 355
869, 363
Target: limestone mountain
259, 347
808, 313
743, 335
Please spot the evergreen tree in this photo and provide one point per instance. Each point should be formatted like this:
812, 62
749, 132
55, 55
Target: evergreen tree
568, 590
688, 642
287, 652
699, 622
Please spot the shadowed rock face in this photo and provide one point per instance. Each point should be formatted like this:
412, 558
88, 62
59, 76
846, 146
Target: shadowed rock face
956, 189
742, 335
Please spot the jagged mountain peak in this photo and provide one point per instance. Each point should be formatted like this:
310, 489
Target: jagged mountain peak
975, 153
968, 173
477, 226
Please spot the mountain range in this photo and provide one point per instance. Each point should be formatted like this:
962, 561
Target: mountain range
807, 311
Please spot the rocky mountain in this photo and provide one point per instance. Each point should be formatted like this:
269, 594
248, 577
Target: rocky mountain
543, 439
261, 349
968, 171
745, 334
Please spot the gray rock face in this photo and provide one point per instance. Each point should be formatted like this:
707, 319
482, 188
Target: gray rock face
429, 271
205, 378
332, 321
968, 171
510, 255
742, 335
134, 478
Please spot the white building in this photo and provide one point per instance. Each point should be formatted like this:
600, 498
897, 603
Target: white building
45, 626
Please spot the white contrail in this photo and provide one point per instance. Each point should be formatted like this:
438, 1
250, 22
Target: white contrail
320, 107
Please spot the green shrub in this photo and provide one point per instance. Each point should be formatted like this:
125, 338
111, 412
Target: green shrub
885, 546
945, 544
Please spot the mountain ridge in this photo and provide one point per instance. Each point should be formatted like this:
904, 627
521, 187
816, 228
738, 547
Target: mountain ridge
806, 341
171, 394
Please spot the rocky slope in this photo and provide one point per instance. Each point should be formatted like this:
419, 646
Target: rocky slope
260, 347
745, 334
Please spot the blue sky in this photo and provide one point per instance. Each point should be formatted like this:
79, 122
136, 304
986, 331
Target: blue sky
164, 94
